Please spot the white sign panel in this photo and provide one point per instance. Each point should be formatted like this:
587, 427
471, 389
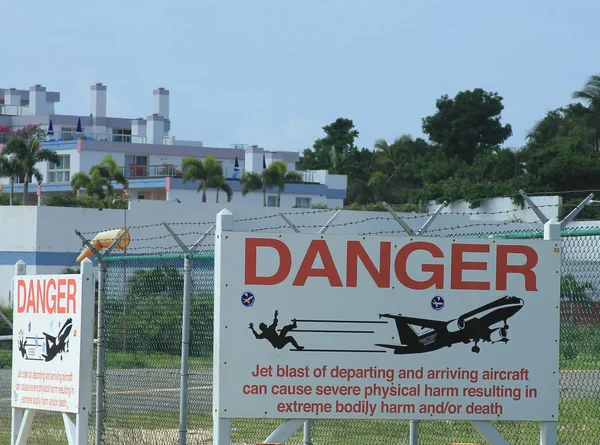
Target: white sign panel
310, 326
52, 342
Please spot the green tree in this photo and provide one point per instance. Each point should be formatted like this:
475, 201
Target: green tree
590, 94
28, 154
468, 124
220, 183
196, 170
9, 168
252, 182
275, 175
339, 136
99, 182
280, 176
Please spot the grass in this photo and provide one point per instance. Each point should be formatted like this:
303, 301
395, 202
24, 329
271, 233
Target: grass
141, 360
579, 423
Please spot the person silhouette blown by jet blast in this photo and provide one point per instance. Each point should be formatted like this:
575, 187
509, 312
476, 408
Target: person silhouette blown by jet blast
277, 340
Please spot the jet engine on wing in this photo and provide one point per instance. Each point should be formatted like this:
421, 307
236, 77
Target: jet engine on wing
498, 335
456, 325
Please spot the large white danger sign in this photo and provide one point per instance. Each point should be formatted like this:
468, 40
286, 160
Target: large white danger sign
52, 342
313, 326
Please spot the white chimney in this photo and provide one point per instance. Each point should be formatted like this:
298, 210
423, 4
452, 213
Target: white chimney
161, 102
37, 100
253, 159
155, 129
12, 97
138, 130
98, 103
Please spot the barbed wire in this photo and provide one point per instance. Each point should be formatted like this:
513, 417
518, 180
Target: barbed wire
464, 226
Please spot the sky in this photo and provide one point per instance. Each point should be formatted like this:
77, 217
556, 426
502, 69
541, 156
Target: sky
274, 72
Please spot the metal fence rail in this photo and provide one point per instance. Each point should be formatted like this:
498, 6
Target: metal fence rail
142, 337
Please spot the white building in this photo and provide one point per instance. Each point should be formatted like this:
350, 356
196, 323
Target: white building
150, 157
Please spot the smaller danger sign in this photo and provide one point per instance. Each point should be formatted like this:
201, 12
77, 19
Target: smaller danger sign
52, 349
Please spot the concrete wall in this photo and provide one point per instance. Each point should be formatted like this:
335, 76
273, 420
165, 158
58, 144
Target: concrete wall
288, 200
502, 209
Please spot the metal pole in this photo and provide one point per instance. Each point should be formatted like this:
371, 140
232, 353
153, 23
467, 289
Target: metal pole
100, 354
185, 347
308, 432
414, 432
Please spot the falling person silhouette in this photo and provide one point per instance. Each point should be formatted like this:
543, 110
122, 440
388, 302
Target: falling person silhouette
277, 340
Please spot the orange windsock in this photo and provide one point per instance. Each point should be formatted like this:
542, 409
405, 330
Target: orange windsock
104, 240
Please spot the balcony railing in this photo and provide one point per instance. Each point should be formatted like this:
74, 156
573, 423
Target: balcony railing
60, 136
13, 110
158, 171
150, 171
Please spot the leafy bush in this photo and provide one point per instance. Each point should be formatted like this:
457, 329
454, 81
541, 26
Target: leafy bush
149, 318
5, 199
63, 200
379, 207
574, 291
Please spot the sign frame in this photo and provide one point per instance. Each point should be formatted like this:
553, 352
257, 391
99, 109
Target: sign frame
75, 419
222, 420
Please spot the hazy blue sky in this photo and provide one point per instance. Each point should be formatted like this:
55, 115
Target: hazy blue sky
275, 72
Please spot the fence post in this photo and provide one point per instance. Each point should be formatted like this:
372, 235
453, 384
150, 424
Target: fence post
548, 430
185, 346
185, 327
100, 354
100, 351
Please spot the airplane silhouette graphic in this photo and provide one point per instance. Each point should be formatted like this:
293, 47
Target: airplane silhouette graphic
60, 343
474, 326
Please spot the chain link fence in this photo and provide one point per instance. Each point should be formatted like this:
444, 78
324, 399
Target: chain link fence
142, 338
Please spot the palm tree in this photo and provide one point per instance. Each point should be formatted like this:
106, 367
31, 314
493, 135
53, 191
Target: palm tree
279, 176
28, 153
220, 183
99, 182
196, 170
9, 168
275, 175
591, 96
252, 182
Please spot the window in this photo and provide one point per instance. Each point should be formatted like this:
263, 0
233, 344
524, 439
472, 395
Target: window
60, 172
121, 135
138, 166
303, 203
271, 201
68, 133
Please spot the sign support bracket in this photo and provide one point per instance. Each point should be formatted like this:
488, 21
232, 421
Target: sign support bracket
284, 431
491, 434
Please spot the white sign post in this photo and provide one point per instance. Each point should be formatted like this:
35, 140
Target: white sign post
53, 321
309, 326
